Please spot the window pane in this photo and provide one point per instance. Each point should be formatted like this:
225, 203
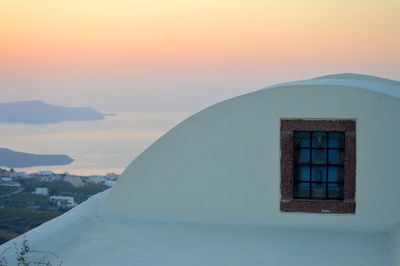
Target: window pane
302, 190
336, 156
302, 173
318, 156
318, 190
335, 191
302, 156
335, 174
336, 140
319, 139
302, 139
318, 173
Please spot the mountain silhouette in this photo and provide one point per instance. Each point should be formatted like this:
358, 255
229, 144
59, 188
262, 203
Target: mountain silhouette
38, 112
13, 159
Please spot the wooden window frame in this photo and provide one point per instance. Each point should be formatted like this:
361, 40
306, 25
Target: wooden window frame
288, 202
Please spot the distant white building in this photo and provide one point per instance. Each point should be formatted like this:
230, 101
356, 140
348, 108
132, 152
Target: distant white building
6, 179
45, 173
47, 176
8, 182
63, 201
96, 179
41, 191
109, 183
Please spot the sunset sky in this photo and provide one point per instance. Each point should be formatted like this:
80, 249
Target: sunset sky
118, 55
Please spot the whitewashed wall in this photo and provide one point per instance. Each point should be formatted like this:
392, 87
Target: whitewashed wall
223, 164
394, 245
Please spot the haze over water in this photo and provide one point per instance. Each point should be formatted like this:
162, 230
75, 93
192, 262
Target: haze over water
97, 147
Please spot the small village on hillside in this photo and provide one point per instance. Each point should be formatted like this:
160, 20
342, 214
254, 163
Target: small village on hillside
30, 199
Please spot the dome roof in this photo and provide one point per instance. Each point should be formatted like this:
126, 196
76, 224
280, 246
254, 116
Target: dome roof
223, 163
376, 84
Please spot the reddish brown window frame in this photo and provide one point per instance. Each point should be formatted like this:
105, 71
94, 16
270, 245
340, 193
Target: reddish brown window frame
288, 203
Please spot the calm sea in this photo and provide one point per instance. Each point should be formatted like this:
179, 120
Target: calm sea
97, 147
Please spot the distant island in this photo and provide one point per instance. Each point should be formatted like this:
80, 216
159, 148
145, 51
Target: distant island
13, 159
38, 112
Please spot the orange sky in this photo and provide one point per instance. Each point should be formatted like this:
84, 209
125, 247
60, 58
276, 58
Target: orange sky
127, 31
247, 37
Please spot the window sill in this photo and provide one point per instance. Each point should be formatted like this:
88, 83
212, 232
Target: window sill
318, 206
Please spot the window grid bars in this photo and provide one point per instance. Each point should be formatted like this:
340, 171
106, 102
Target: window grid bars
310, 165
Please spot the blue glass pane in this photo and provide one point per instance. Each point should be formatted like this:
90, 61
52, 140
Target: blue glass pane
319, 139
302, 156
302, 190
336, 156
336, 140
302, 173
318, 173
318, 191
318, 156
302, 139
335, 191
335, 174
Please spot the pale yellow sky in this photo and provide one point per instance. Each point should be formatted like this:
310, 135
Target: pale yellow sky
285, 39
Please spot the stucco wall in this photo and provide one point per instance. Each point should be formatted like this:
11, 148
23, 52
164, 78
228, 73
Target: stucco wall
222, 164
395, 245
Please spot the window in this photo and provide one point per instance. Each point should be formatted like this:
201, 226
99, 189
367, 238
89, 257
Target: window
318, 166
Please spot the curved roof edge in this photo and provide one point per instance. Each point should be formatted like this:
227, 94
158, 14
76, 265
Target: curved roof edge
372, 83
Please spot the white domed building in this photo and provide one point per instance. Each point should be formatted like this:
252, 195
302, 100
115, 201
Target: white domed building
301, 173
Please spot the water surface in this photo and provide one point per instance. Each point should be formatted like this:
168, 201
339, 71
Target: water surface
97, 147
